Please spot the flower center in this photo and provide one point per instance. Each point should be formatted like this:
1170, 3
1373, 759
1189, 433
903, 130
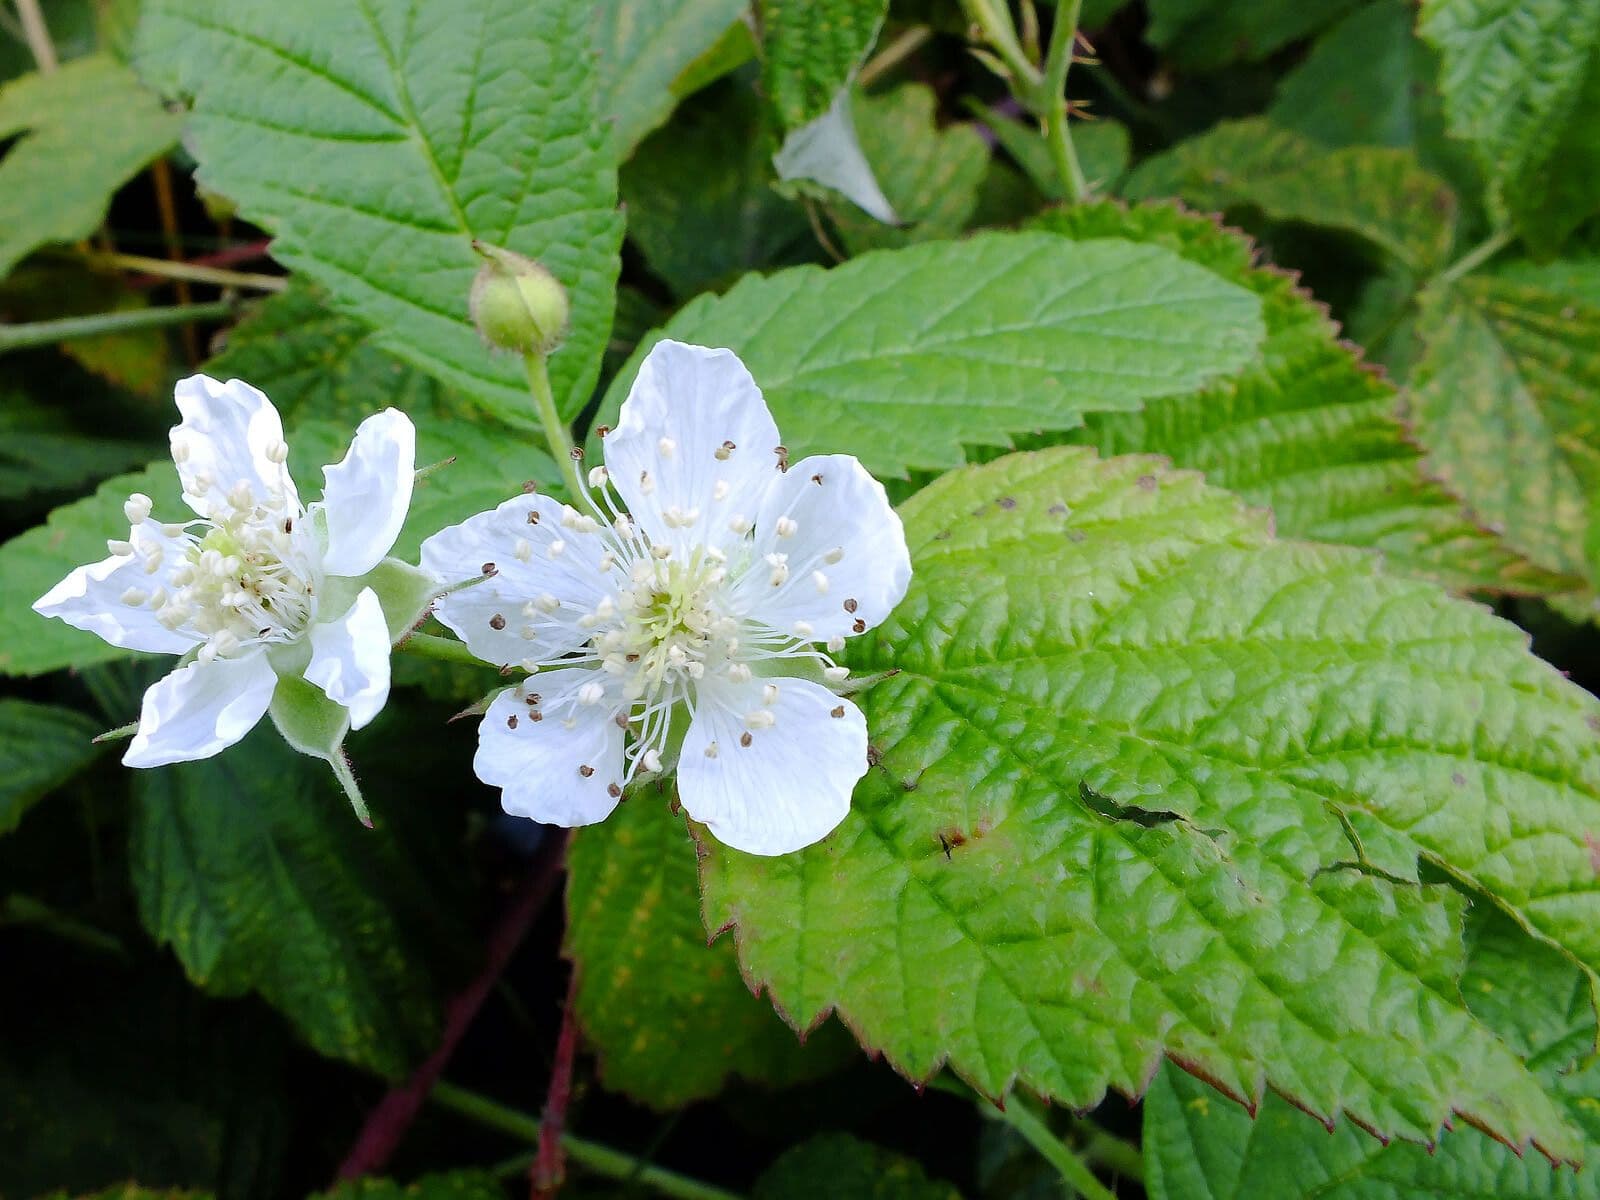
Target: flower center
244, 575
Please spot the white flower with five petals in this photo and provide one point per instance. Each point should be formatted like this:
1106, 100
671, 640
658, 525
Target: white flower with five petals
677, 617
254, 589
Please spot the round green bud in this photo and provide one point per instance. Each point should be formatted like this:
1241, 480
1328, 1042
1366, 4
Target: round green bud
517, 304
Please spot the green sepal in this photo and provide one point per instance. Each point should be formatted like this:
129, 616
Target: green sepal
404, 592
315, 725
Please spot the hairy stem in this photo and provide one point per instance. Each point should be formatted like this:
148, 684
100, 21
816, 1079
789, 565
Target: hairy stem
1074, 1171
37, 34
47, 333
549, 1166
1001, 35
195, 272
387, 1124
556, 434
1058, 62
602, 1160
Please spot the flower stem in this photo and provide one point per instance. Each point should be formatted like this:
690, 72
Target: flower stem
347, 780
892, 55
549, 1168
1476, 257
1074, 1171
430, 645
1001, 35
38, 36
602, 1160
47, 333
196, 273
555, 429
1057, 62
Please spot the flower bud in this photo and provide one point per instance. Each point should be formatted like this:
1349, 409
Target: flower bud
517, 304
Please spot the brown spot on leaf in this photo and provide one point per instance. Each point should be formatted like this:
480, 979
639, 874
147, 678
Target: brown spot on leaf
1593, 843
1007, 502
1147, 482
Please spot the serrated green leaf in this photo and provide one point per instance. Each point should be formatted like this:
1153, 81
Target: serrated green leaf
699, 199
1310, 431
316, 363
1196, 1144
1112, 626
41, 747
929, 175
490, 466
668, 1015
1521, 83
85, 130
1202, 35
644, 46
811, 49
402, 154
1377, 193
451, 1185
251, 868
902, 357
1502, 399
843, 1167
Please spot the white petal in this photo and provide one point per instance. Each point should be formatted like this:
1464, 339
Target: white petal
843, 528
491, 617
686, 407
350, 658
91, 597
538, 765
200, 709
827, 151
791, 785
228, 436
365, 497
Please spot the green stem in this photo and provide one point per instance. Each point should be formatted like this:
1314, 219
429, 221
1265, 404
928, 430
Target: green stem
602, 1160
555, 429
47, 333
892, 55
352, 789
1111, 1152
428, 645
1074, 1172
38, 36
1058, 62
168, 269
1001, 35
1476, 257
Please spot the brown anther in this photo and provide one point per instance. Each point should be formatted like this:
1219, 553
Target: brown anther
729, 446
745, 739
859, 626
533, 516
817, 478
836, 713
601, 430
490, 569
621, 720
529, 487
783, 457
850, 605
586, 770
614, 791
288, 524
511, 721
534, 698
633, 658
497, 622
535, 715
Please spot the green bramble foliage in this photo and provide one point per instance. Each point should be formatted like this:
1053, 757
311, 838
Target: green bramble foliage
1233, 370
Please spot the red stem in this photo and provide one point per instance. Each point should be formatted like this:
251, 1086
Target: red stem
232, 256
550, 1167
387, 1124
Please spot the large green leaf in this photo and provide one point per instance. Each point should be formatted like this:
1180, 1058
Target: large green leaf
811, 49
41, 747
699, 199
1377, 193
490, 465
1310, 431
667, 1014
1147, 782
929, 175
453, 1185
86, 130
1198, 1145
843, 1167
1202, 35
317, 363
901, 357
251, 868
1503, 399
1521, 83
644, 47
377, 140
